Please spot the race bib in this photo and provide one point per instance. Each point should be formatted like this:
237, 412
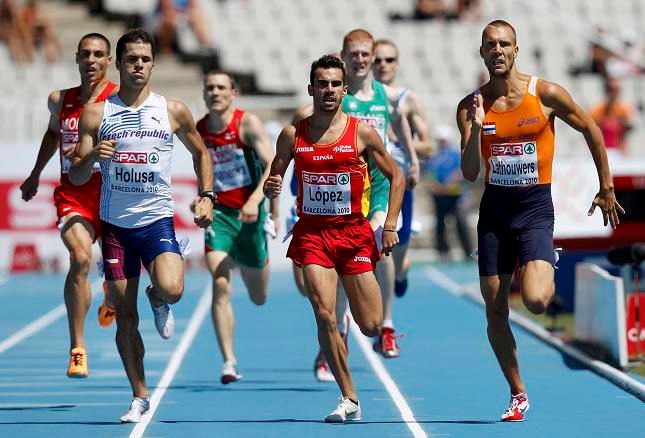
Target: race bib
135, 172
513, 164
377, 123
326, 194
230, 169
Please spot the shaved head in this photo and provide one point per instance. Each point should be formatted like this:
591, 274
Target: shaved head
498, 24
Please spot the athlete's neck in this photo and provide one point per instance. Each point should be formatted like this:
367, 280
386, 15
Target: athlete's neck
511, 85
91, 90
321, 121
134, 97
360, 88
218, 121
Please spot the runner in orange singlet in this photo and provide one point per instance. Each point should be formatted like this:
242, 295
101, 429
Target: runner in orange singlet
508, 123
77, 207
333, 238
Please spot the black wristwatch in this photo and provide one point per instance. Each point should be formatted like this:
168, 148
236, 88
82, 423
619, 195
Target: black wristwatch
208, 194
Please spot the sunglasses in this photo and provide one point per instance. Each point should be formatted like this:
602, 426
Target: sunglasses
388, 60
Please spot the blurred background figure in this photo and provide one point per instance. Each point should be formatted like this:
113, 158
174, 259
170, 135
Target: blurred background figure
614, 117
447, 189
13, 34
40, 31
171, 18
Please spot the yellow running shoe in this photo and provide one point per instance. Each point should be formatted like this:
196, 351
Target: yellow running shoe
106, 313
77, 364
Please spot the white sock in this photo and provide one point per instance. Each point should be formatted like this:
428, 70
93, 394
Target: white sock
387, 323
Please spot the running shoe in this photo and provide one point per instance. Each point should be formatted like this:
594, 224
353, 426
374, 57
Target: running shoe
164, 320
138, 408
106, 313
346, 410
77, 364
229, 373
515, 411
322, 372
386, 344
400, 287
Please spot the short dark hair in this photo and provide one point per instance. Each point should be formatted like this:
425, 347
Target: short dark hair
134, 36
95, 36
501, 23
217, 71
326, 62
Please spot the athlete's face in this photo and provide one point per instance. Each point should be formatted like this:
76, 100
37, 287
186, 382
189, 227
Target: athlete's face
498, 50
218, 92
136, 64
386, 63
358, 56
328, 89
93, 59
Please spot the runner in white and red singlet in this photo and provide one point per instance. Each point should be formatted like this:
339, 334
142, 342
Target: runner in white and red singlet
77, 207
333, 238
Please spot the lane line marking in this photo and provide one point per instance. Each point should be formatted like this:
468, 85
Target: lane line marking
617, 377
196, 320
42, 322
387, 381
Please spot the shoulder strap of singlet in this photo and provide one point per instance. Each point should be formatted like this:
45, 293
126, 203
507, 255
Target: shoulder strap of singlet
402, 95
533, 86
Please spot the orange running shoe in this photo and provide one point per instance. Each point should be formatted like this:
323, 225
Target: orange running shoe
77, 364
106, 313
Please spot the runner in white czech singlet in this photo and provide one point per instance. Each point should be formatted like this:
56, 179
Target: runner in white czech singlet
136, 182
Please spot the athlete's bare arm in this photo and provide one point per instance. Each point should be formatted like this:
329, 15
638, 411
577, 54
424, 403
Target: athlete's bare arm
558, 103
470, 117
283, 156
415, 112
370, 141
401, 128
254, 135
183, 124
87, 151
48, 147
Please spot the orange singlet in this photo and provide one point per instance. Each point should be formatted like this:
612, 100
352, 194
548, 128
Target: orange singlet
518, 144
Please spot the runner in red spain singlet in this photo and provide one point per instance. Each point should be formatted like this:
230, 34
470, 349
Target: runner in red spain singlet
76, 207
333, 240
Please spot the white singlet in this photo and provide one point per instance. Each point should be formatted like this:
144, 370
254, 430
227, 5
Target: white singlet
136, 182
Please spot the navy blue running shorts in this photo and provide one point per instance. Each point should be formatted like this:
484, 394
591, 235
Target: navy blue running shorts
515, 223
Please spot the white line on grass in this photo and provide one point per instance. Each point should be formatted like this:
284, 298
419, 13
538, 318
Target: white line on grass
196, 320
388, 382
42, 322
610, 373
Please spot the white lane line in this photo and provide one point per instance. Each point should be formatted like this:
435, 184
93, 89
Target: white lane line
388, 382
196, 320
610, 373
42, 322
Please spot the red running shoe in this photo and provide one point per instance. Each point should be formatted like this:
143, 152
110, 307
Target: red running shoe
518, 405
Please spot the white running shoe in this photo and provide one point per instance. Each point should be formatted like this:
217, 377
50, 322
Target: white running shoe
323, 373
164, 320
346, 410
229, 373
138, 407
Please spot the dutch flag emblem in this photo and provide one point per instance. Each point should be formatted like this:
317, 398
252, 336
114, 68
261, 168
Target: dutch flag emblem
489, 128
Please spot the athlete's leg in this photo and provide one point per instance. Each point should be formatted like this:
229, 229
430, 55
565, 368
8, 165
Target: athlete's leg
399, 252
384, 272
537, 285
220, 265
299, 279
78, 235
495, 290
123, 293
167, 275
321, 284
256, 281
365, 302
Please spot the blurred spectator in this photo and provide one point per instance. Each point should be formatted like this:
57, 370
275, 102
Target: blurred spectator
598, 55
13, 33
171, 17
468, 10
446, 186
40, 30
630, 61
614, 117
429, 9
